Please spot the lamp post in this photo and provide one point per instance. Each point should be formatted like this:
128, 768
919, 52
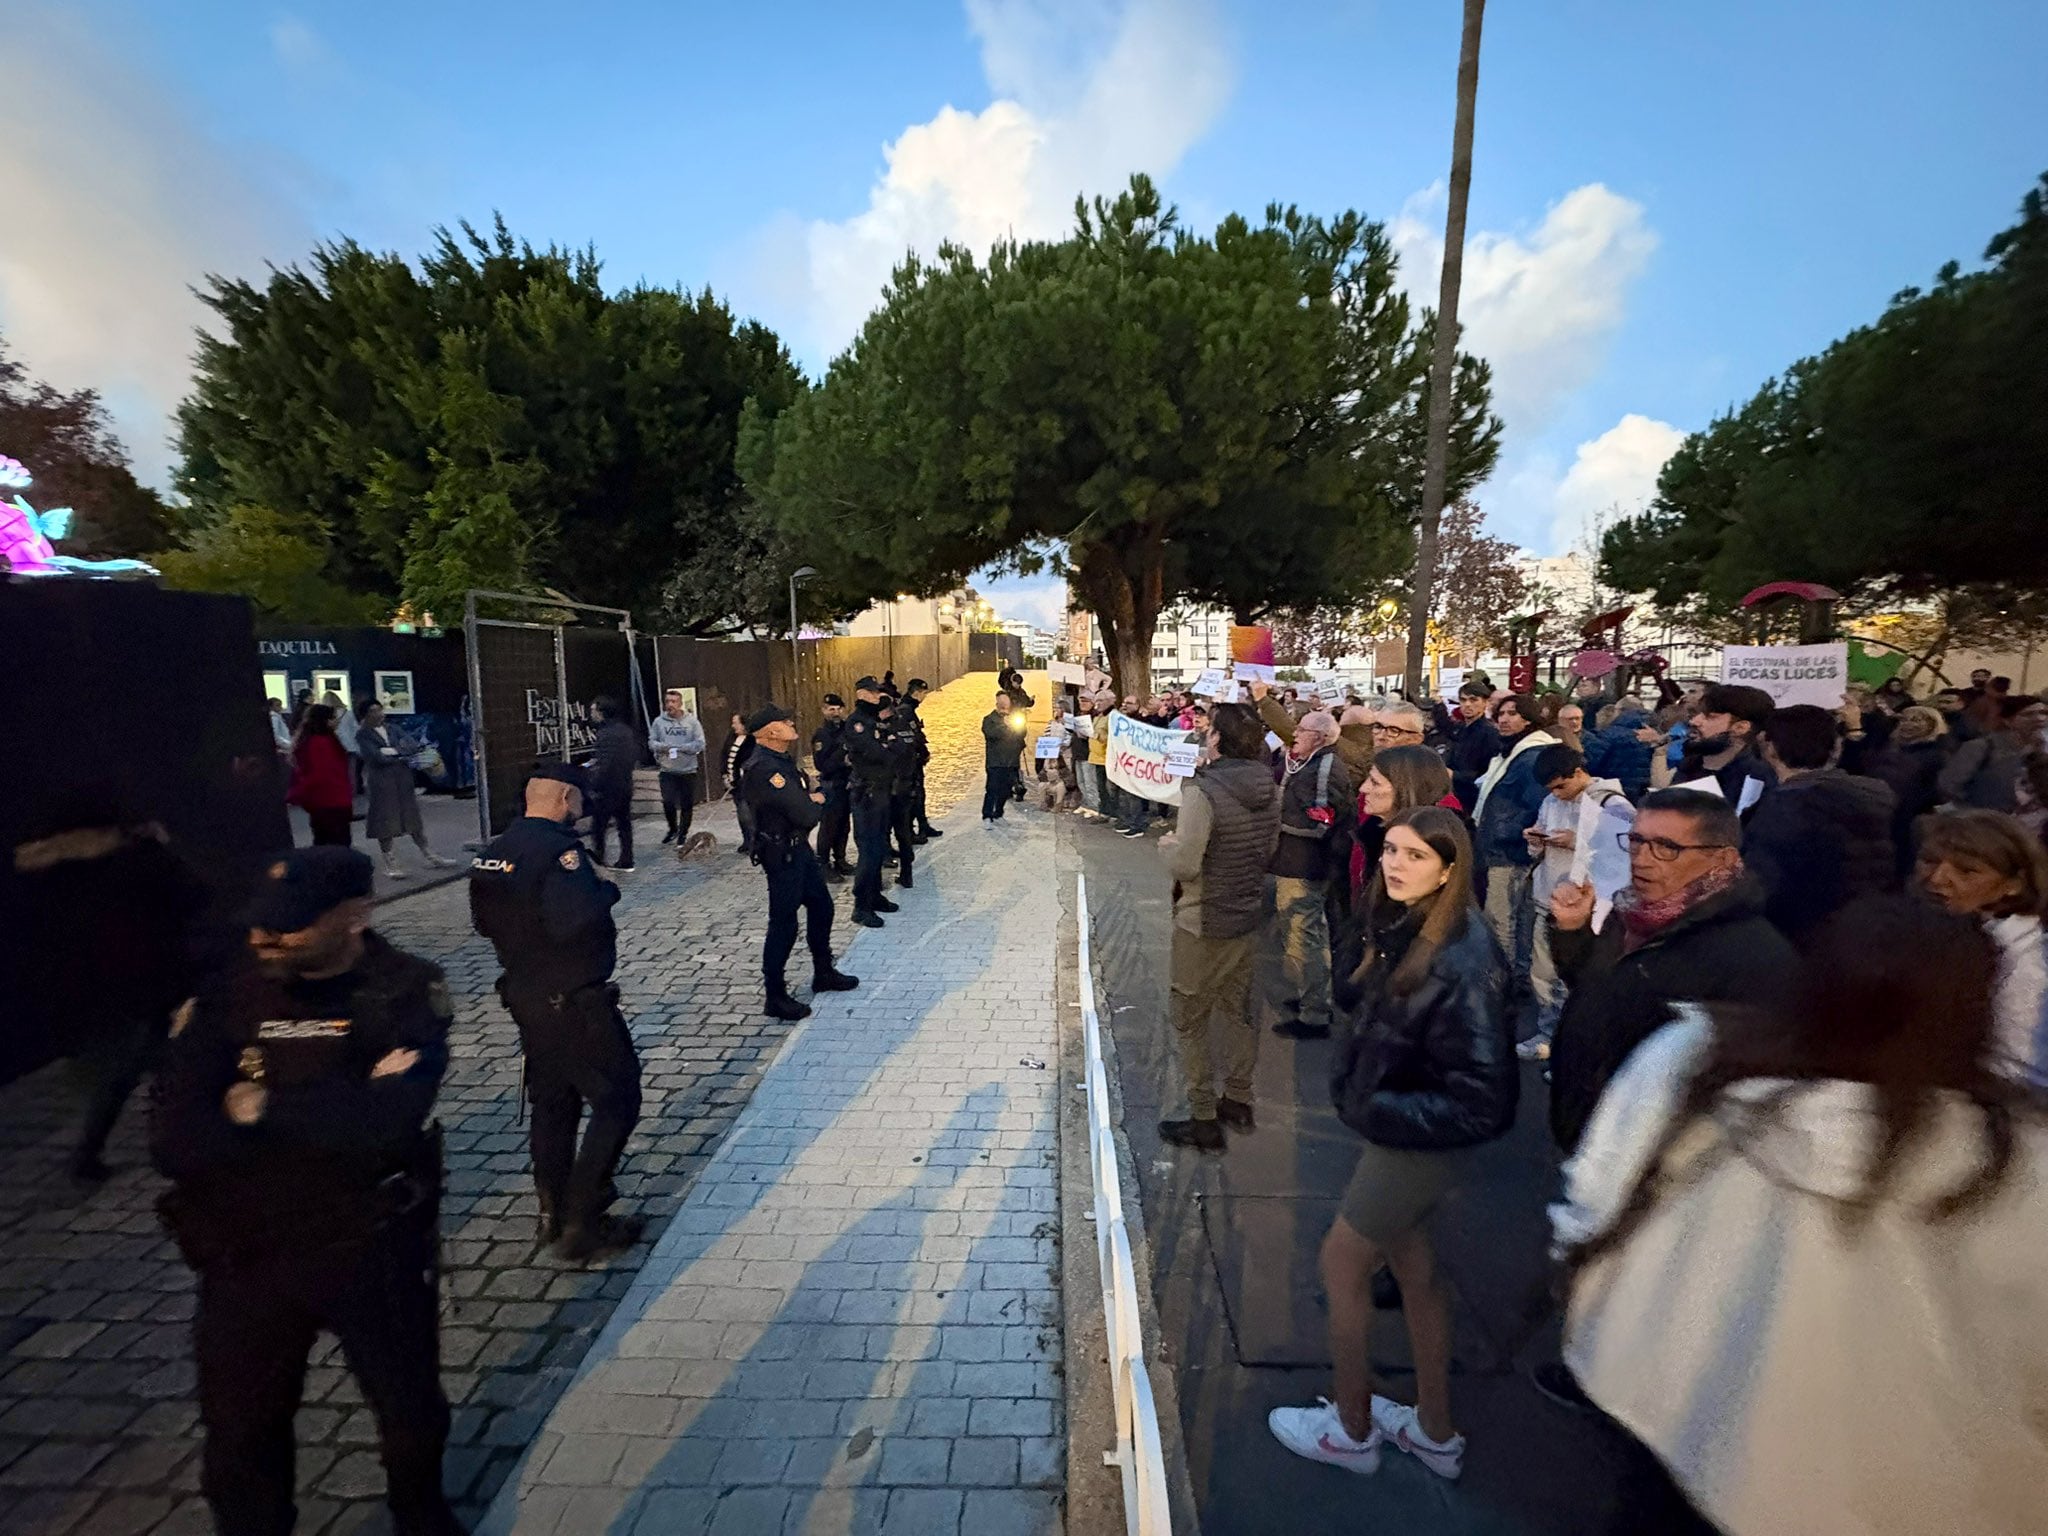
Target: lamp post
801, 573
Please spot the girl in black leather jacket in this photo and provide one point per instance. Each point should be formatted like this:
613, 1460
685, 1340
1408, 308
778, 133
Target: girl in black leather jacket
1424, 1068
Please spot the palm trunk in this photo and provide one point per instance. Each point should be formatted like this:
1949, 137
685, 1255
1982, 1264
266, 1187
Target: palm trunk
1443, 365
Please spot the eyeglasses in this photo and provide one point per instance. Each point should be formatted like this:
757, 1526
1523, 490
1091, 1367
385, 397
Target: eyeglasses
1396, 730
1662, 849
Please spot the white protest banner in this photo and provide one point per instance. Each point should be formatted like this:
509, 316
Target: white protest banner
1254, 671
1049, 746
1181, 758
1330, 689
1231, 693
1790, 674
1061, 673
1209, 684
1597, 852
1137, 758
1449, 681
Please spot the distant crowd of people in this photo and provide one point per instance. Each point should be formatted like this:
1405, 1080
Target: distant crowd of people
1780, 973
332, 755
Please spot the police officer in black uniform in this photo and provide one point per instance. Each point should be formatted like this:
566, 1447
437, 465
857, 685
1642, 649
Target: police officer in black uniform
785, 810
913, 699
291, 1119
828, 751
535, 895
901, 718
871, 769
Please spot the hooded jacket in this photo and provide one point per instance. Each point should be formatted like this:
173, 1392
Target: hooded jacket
1509, 798
1229, 820
1758, 1343
1817, 844
1612, 752
1433, 1069
1722, 951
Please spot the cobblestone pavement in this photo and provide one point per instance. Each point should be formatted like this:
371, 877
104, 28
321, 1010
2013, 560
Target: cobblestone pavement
98, 1432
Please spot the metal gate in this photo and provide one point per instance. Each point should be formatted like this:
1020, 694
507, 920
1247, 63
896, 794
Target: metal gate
533, 681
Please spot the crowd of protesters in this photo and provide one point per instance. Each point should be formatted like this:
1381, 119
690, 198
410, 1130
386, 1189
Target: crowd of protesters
1786, 1016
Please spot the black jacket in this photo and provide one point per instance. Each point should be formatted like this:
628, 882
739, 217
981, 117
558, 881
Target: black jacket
1004, 741
1435, 1069
1312, 849
1913, 770
618, 749
871, 750
1474, 744
1723, 951
1818, 843
535, 895
784, 812
828, 749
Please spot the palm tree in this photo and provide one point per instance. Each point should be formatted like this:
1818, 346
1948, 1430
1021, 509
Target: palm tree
1437, 449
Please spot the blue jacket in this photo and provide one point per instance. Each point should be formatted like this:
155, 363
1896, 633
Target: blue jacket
1613, 752
1510, 808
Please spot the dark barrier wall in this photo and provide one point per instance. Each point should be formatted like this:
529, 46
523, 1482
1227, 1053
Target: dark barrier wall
992, 653
440, 706
149, 694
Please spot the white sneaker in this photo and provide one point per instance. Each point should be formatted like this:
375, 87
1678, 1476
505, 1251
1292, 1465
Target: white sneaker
1397, 1422
1318, 1434
393, 872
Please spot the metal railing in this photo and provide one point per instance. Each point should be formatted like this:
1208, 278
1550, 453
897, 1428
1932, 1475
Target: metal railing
1137, 1454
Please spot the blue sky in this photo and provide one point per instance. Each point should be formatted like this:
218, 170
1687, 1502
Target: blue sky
1670, 202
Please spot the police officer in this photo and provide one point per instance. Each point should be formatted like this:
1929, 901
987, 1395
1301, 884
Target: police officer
785, 810
291, 1119
534, 894
871, 770
913, 705
828, 751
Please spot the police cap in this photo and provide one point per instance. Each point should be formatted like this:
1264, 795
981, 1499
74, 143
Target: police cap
868, 684
919, 685
768, 714
306, 884
833, 698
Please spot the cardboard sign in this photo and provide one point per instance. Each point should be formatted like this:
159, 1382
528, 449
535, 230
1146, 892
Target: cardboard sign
1790, 674
1137, 758
1330, 690
1251, 652
1063, 672
1210, 684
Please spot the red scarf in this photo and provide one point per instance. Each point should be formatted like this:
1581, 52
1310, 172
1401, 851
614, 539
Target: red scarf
1642, 921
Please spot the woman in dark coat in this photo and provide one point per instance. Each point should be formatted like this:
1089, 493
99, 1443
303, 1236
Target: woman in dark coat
1911, 762
1424, 1069
386, 754
320, 779
733, 756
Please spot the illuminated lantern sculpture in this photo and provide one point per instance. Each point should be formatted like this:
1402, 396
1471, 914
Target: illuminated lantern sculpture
26, 535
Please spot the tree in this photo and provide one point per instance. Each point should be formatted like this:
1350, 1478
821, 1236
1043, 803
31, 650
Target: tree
68, 444
1901, 464
1156, 414
278, 563
490, 418
1480, 584
1435, 476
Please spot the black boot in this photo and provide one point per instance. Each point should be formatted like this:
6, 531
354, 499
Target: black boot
1205, 1134
607, 1234
835, 876
884, 904
782, 1006
863, 918
904, 880
548, 1229
928, 831
1236, 1114
830, 978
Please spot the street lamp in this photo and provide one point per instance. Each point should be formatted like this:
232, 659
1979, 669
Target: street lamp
801, 573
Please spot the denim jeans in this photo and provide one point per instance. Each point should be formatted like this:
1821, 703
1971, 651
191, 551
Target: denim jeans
1304, 937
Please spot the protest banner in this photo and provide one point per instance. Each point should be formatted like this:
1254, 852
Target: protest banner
1209, 684
1061, 673
1251, 653
1137, 758
1790, 674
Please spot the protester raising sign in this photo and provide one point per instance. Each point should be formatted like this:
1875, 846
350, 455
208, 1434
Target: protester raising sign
1251, 653
1790, 674
1139, 758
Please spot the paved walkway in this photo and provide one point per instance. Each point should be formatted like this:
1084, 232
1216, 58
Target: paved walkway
853, 1322
97, 1429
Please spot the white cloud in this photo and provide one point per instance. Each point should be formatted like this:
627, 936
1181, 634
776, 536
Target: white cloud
1040, 599
1088, 91
1539, 307
117, 205
1536, 505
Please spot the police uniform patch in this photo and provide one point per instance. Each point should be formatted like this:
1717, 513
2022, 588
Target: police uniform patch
571, 860
777, 780
182, 1019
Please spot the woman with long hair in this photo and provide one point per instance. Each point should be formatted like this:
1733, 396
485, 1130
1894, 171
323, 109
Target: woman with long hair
386, 755
1400, 779
320, 779
1805, 1248
1911, 761
1985, 865
734, 756
1424, 1069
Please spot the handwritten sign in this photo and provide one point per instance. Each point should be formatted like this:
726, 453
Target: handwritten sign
1049, 746
1137, 758
1790, 674
1448, 681
1210, 684
1180, 759
1330, 689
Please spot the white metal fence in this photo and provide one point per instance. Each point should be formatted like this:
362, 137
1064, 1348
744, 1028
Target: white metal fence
1137, 1452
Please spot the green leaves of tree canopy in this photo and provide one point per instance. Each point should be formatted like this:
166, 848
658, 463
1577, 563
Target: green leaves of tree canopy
1906, 460
1235, 418
68, 444
491, 419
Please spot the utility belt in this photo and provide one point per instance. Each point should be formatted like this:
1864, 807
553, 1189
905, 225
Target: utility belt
775, 850
561, 1000
213, 1228
872, 789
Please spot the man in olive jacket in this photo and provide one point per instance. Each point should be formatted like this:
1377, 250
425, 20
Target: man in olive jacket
1229, 823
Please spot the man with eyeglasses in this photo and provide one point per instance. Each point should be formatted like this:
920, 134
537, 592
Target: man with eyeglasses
1399, 724
1689, 927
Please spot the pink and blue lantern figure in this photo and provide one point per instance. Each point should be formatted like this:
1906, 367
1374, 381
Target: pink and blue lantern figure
27, 537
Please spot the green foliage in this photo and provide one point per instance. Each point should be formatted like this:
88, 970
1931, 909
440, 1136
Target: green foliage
1158, 415
67, 443
278, 563
1905, 461
493, 418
